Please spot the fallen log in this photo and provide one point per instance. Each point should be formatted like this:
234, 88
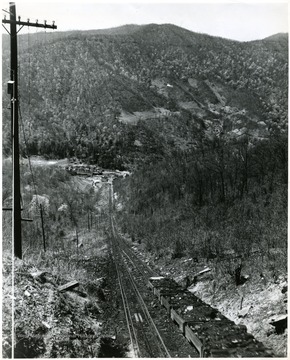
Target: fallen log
202, 272
195, 276
68, 286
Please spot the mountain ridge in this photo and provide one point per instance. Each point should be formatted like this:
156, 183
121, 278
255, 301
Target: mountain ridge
101, 82
131, 28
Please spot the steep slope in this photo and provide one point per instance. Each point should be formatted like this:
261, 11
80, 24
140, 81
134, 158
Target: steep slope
202, 120
79, 88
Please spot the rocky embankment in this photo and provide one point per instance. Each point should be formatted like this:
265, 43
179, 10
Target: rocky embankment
56, 314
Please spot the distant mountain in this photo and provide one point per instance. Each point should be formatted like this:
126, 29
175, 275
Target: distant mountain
81, 92
119, 30
277, 37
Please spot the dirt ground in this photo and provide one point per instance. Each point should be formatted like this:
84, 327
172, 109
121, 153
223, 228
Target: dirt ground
51, 323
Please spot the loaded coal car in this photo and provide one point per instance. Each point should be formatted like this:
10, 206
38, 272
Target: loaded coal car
186, 308
186, 301
164, 286
225, 339
210, 332
172, 301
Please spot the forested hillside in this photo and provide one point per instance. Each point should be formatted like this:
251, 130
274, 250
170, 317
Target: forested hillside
203, 120
199, 122
80, 90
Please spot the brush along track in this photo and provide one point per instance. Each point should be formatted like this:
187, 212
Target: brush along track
149, 338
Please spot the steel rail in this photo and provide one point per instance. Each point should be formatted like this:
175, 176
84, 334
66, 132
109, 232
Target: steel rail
147, 313
132, 281
145, 266
126, 303
143, 305
126, 307
130, 325
148, 344
135, 345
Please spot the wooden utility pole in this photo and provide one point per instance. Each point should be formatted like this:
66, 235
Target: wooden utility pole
13, 91
42, 226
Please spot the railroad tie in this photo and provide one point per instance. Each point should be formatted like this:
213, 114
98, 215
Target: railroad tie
138, 317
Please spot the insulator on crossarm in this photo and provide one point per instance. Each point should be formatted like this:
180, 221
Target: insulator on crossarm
19, 18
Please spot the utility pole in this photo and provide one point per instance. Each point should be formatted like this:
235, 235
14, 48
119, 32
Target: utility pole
13, 91
42, 226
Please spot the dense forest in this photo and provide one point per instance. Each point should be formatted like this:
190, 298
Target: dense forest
79, 90
221, 197
200, 120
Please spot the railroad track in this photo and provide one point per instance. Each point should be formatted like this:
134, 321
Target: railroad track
151, 332
129, 254
145, 338
127, 251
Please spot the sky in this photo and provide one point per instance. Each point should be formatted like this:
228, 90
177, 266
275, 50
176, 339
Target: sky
243, 21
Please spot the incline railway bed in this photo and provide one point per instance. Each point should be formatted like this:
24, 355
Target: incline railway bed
151, 332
